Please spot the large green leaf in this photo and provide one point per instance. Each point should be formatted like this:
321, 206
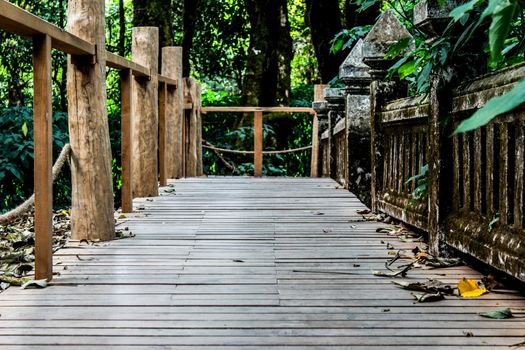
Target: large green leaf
499, 28
458, 12
494, 107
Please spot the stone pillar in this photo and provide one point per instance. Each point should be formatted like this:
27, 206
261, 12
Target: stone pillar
335, 99
354, 74
320, 106
386, 31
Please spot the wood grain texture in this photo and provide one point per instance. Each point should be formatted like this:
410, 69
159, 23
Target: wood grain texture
197, 106
43, 140
192, 126
246, 263
314, 165
92, 183
163, 130
172, 68
258, 142
145, 130
126, 80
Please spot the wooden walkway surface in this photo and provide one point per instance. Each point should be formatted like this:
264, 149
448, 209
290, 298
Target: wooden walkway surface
237, 263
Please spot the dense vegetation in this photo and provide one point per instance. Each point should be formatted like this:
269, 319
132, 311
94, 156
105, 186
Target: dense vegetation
253, 52
256, 52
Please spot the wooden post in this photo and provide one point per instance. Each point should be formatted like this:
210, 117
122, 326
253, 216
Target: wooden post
197, 107
92, 184
192, 127
43, 118
314, 166
172, 68
126, 79
145, 129
318, 97
258, 144
163, 91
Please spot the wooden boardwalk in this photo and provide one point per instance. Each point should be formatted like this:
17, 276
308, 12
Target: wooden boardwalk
243, 263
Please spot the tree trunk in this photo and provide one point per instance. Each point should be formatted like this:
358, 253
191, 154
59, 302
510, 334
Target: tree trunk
155, 13
267, 77
189, 20
122, 28
353, 18
324, 19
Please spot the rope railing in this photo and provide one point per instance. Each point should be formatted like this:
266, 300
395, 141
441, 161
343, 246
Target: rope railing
28, 204
209, 146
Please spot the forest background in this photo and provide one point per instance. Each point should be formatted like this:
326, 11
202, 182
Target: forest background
251, 53
255, 53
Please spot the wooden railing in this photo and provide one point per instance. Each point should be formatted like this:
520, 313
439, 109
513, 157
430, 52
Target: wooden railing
258, 139
157, 142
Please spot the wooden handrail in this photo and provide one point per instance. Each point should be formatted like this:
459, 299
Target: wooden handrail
15, 20
121, 63
205, 110
258, 130
18, 21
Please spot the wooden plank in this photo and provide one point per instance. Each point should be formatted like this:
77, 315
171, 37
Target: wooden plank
168, 81
206, 110
258, 143
118, 62
18, 21
163, 91
43, 134
126, 80
247, 263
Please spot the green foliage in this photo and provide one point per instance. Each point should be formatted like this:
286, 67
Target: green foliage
346, 38
494, 107
234, 131
16, 156
420, 192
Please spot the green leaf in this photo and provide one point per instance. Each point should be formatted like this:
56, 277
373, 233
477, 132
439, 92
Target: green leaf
35, 283
24, 129
458, 12
406, 69
499, 314
494, 107
499, 27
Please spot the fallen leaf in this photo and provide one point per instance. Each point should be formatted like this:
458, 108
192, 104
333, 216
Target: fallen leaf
468, 334
470, 289
499, 314
431, 286
363, 211
428, 297
34, 283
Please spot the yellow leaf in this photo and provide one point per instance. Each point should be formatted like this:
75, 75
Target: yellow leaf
25, 130
470, 288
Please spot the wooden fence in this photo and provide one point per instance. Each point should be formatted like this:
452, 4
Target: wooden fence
161, 128
258, 139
